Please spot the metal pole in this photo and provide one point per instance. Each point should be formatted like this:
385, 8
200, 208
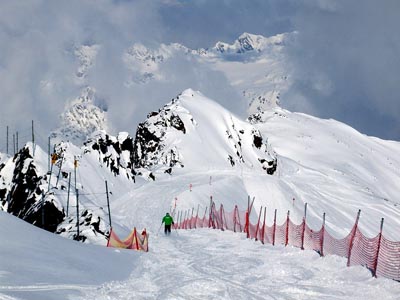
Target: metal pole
258, 223
108, 204
287, 228
69, 188
59, 170
75, 165
7, 140
8, 201
48, 153
42, 209
51, 171
14, 142
322, 235
377, 250
304, 226
33, 139
17, 141
77, 213
273, 233
352, 237
263, 228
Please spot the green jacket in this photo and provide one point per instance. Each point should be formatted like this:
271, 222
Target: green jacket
168, 220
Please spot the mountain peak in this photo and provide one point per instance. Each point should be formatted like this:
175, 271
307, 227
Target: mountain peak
81, 118
196, 133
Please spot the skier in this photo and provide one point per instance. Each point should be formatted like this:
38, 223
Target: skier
167, 220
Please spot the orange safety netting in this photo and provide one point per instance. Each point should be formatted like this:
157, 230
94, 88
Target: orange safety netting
134, 241
379, 255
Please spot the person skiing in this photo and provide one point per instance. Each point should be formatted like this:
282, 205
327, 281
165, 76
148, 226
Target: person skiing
167, 220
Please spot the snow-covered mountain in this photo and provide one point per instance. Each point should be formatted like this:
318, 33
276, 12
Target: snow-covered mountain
190, 149
81, 118
196, 133
254, 66
275, 156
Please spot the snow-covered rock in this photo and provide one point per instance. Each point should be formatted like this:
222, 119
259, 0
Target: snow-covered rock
23, 192
196, 133
81, 118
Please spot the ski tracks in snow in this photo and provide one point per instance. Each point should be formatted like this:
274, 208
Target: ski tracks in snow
210, 264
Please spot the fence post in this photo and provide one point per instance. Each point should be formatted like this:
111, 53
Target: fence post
191, 219
197, 215
234, 218
204, 217
221, 208
258, 224
211, 211
287, 228
377, 251
263, 227
322, 233
304, 226
246, 226
177, 220
273, 233
352, 238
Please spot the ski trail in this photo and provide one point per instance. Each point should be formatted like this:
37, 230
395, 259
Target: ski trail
210, 264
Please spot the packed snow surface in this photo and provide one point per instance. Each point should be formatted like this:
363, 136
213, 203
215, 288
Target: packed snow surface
193, 264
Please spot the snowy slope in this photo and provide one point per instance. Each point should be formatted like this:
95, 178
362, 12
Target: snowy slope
198, 264
192, 141
325, 163
197, 134
336, 170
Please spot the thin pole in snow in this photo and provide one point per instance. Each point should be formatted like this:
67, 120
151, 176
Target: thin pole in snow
8, 201
322, 235
48, 154
59, 170
7, 141
33, 140
69, 188
42, 210
77, 213
108, 204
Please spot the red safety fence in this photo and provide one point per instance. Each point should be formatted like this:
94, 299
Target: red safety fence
134, 241
379, 255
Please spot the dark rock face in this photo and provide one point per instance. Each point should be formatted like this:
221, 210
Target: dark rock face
110, 151
26, 198
148, 146
90, 224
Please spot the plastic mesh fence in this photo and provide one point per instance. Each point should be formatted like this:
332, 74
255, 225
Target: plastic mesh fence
379, 255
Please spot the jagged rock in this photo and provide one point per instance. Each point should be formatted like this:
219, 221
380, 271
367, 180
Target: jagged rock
174, 137
117, 153
25, 196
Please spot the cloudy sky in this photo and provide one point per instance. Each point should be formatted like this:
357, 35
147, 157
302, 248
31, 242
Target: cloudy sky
346, 57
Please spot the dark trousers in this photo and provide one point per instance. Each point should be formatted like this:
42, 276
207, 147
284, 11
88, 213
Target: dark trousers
167, 229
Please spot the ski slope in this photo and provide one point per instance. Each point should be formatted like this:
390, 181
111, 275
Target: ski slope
324, 163
193, 264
